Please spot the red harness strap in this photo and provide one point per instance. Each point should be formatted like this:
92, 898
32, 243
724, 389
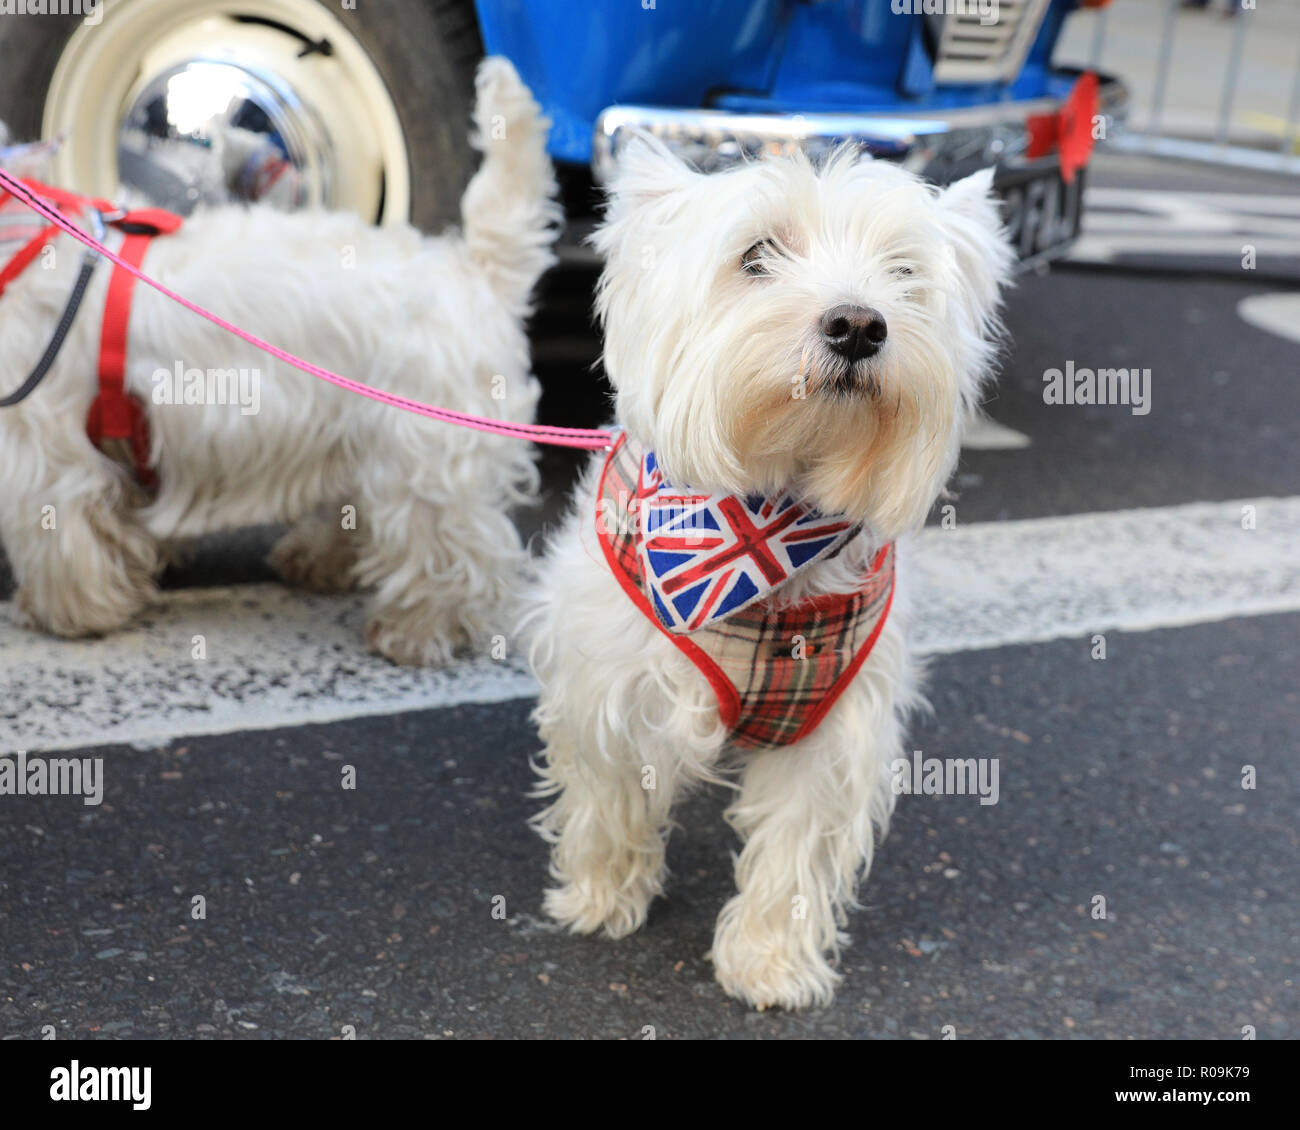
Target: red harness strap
116, 414
18, 264
64, 201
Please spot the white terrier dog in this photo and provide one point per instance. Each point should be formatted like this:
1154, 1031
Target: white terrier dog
436, 319
794, 352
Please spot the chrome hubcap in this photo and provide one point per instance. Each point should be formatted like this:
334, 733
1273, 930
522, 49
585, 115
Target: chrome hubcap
208, 131
189, 102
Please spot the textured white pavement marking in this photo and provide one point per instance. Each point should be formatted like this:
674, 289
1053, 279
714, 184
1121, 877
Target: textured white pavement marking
275, 657
1146, 221
1276, 313
996, 583
280, 658
983, 433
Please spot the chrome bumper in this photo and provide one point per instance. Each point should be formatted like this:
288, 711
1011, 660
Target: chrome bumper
939, 146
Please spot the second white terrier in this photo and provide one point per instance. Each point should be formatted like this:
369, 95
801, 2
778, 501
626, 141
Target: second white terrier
416, 509
794, 352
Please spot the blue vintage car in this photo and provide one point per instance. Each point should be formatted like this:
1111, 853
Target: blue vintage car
363, 103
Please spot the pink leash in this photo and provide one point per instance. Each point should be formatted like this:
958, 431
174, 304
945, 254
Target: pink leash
591, 438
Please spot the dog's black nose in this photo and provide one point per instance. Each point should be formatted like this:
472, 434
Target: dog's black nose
854, 332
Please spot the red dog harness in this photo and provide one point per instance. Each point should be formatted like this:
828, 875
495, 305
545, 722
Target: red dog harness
776, 670
116, 423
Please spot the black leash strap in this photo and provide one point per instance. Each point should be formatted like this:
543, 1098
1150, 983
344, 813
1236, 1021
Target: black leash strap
24, 390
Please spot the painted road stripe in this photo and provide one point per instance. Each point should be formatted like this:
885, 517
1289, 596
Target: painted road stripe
1173, 203
1120, 222
983, 433
1277, 313
997, 583
280, 658
1095, 247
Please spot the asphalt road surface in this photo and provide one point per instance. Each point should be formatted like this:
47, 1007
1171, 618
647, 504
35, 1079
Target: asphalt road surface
410, 905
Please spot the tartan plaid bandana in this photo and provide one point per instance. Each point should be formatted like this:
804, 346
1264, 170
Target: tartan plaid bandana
776, 672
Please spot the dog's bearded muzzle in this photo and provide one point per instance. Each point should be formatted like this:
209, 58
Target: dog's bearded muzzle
837, 379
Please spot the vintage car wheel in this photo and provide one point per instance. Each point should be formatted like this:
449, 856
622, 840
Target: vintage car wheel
291, 101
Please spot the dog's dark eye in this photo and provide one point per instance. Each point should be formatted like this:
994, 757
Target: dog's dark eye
901, 272
752, 262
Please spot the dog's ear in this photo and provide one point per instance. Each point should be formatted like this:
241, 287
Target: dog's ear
646, 169
973, 197
970, 212
648, 180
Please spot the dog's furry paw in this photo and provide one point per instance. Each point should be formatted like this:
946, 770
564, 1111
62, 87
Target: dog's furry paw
22, 613
111, 610
394, 638
593, 907
768, 970
315, 557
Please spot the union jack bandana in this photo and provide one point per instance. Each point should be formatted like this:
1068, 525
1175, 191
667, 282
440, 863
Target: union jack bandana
707, 556
775, 671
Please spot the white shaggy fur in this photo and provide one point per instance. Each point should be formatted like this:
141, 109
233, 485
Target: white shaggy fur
436, 319
727, 378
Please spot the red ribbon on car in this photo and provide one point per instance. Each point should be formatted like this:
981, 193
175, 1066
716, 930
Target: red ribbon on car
1069, 130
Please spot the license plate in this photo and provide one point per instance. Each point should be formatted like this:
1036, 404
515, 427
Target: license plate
1041, 211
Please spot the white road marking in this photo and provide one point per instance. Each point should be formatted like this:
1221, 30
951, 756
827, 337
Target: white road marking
1276, 313
1101, 247
983, 433
279, 658
996, 583
1145, 221
274, 657
1198, 203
